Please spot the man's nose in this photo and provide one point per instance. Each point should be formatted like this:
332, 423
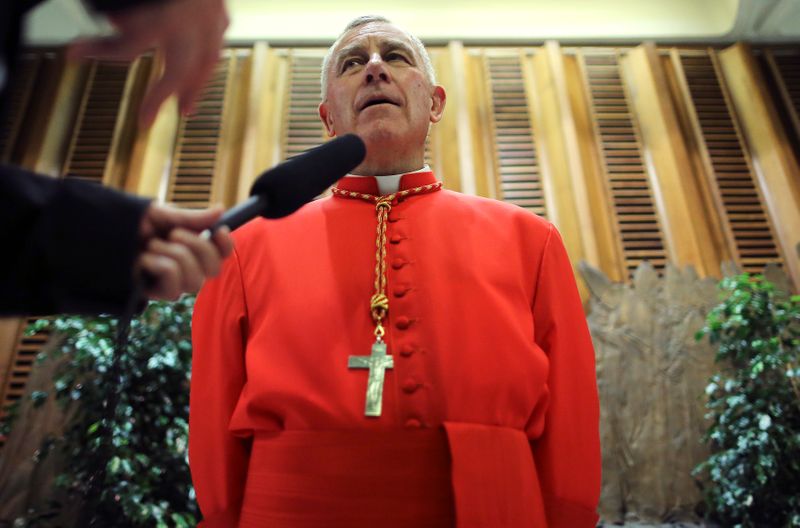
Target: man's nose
376, 69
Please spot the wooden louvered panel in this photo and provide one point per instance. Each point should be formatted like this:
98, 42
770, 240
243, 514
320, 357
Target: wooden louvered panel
97, 119
788, 68
197, 145
26, 350
626, 175
743, 209
781, 69
515, 149
304, 129
16, 105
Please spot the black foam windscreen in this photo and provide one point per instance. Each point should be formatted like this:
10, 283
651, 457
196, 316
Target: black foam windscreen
290, 185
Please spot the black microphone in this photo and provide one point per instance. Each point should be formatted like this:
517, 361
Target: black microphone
285, 188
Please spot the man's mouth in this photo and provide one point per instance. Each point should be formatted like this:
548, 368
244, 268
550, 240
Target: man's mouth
377, 101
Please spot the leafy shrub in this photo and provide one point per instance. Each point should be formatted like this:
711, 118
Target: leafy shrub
138, 451
753, 476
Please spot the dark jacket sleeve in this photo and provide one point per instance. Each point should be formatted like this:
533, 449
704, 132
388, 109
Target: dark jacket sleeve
68, 245
110, 6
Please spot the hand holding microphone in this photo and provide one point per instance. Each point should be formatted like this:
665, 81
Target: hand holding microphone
177, 257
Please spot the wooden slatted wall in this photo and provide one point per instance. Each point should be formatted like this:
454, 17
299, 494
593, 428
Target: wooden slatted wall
743, 209
197, 146
303, 128
640, 232
97, 119
788, 64
16, 106
783, 70
26, 350
515, 148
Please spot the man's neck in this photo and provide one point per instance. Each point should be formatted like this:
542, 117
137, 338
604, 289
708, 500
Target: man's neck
387, 167
390, 183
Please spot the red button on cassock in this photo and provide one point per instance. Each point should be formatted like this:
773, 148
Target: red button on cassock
413, 423
400, 291
398, 263
396, 239
402, 322
410, 386
407, 350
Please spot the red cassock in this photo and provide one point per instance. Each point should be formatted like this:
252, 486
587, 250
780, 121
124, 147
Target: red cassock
490, 413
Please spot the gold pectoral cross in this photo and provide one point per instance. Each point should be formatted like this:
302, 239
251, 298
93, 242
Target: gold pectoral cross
377, 363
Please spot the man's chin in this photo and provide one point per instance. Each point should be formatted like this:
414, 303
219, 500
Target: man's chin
380, 133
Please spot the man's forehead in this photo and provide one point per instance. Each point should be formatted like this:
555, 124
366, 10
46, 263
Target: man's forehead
374, 31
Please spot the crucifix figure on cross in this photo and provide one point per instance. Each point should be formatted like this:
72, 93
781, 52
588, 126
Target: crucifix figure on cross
377, 363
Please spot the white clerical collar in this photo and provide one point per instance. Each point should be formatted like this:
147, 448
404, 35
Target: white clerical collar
390, 183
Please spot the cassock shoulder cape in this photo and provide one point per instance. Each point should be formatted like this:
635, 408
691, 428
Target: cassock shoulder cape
485, 324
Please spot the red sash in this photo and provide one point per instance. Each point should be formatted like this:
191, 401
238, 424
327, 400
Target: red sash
458, 476
349, 479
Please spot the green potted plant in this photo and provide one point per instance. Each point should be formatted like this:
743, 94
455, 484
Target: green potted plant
752, 477
126, 450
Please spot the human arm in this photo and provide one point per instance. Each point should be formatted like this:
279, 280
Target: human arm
567, 453
218, 460
72, 246
189, 33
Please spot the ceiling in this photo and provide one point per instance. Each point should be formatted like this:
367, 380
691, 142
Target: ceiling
475, 21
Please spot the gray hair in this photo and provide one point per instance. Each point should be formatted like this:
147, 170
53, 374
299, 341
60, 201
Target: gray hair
419, 47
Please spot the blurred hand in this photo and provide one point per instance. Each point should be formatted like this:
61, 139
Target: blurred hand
189, 33
176, 256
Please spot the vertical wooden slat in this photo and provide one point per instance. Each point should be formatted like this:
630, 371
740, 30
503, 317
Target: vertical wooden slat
225, 184
151, 157
268, 91
776, 168
460, 118
16, 375
197, 146
91, 146
626, 176
604, 221
479, 103
515, 145
303, 127
445, 135
18, 98
676, 196
726, 163
46, 152
562, 172
784, 67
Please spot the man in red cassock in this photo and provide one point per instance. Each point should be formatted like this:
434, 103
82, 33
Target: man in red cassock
397, 354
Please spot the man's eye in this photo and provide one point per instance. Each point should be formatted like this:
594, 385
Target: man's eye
396, 57
349, 63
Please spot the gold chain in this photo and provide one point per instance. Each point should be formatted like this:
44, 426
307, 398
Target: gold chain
379, 302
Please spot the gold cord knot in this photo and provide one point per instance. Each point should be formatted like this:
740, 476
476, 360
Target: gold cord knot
379, 306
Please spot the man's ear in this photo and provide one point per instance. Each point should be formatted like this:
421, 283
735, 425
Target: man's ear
327, 119
438, 100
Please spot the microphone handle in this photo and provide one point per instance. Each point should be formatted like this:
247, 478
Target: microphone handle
239, 215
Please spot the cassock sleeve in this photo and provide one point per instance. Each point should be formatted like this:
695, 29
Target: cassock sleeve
567, 454
218, 460
68, 245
